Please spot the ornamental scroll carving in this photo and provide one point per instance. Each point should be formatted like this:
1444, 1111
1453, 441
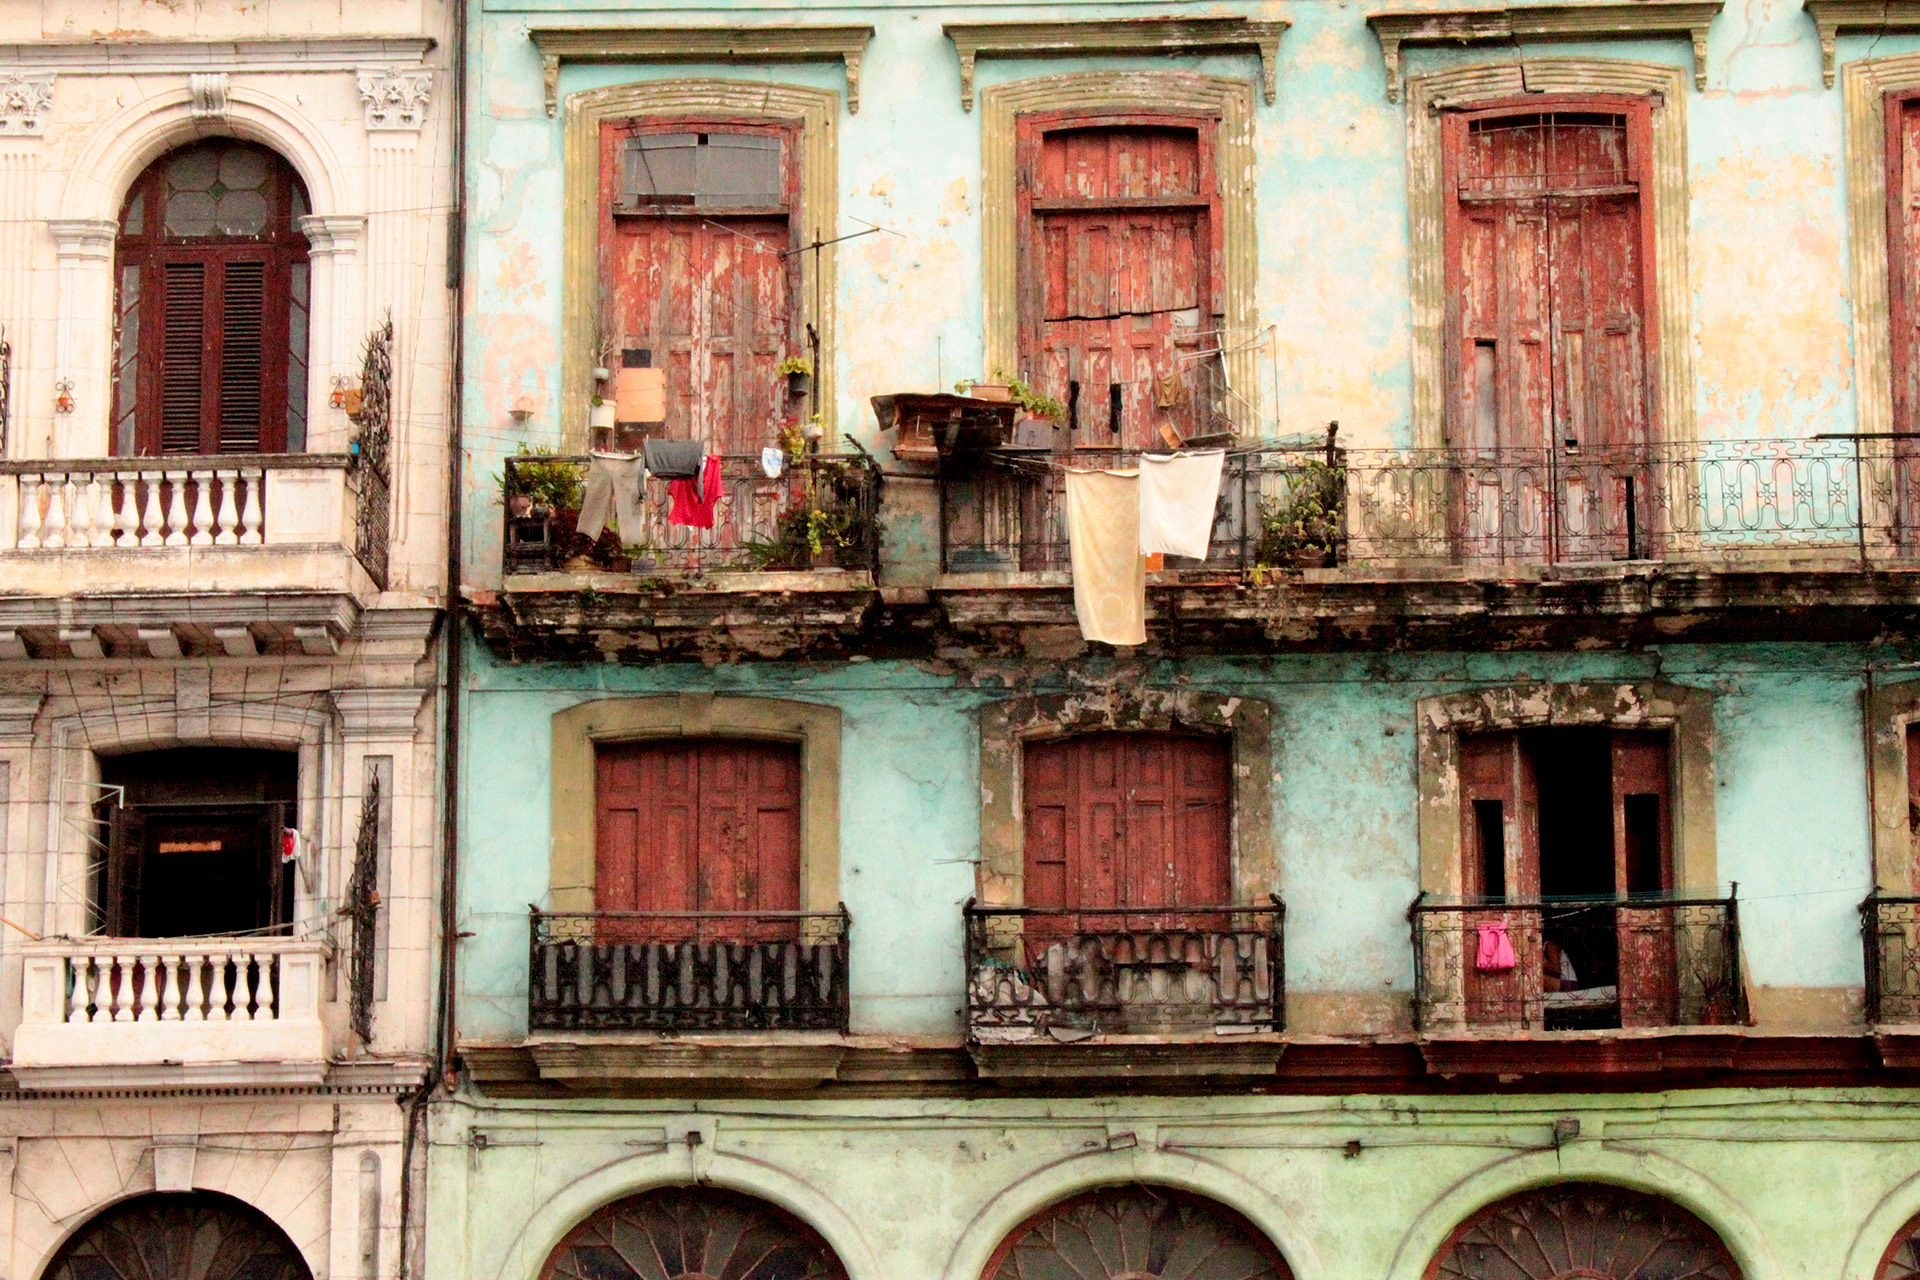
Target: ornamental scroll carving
26, 102
394, 100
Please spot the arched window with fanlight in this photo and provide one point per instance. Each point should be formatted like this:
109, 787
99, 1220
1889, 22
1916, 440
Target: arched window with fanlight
211, 313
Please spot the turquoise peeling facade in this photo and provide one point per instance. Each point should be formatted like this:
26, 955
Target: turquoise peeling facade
1791, 806
1803, 1177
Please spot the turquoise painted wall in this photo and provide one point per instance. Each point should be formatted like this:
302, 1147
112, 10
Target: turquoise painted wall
1767, 216
1791, 808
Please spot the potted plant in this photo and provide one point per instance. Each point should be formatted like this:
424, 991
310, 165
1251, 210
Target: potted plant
642, 557
997, 391
1045, 408
1304, 527
600, 414
798, 371
543, 489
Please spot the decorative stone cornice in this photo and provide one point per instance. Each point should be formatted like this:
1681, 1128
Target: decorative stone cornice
377, 713
83, 237
973, 40
26, 102
1834, 18
1571, 20
394, 99
330, 233
17, 713
700, 44
209, 90
268, 54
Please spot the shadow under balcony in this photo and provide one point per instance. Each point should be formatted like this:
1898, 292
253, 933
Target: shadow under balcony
1125, 993
120, 1012
792, 554
626, 996
163, 556
1590, 985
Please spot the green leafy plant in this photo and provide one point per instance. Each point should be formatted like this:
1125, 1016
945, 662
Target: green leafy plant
832, 517
543, 479
1305, 525
1032, 401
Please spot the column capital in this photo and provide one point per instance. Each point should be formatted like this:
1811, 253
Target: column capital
83, 237
26, 103
333, 232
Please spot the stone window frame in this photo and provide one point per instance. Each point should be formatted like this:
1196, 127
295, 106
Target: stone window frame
815, 111
1007, 726
1686, 713
1498, 83
580, 729
1118, 93
1865, 83
1891, 708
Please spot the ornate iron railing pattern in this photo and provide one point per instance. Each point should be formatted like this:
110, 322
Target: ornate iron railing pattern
821, 511
1890, 933
373, 448
1576, 964
1314, 506
689, 971
363, 910
1068, 972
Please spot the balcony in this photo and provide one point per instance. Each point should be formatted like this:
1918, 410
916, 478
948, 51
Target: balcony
1515, 968
119, 543
1127, 991
1757, 502
170, 1011
1890, 931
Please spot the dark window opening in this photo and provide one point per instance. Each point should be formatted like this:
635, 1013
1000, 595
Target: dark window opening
194, 848
1489, 821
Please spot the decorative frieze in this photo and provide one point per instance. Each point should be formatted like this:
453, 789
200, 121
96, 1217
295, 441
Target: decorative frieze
701, 44
1142, 36
26, 103
394, 100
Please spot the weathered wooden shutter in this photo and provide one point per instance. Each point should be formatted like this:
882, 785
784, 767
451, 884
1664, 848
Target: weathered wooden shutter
1116, 277
701, 825
1128, 820
707, 292
1643, 864
183, 345
1548, 294
126, 860
1500, 859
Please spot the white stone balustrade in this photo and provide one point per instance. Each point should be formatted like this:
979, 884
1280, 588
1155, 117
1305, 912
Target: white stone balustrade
199, 1010
162, 502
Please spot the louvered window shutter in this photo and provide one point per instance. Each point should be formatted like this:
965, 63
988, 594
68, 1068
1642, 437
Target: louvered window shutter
182, 355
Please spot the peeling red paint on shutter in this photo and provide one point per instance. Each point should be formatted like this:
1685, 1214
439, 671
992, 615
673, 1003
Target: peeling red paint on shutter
1499, 825
1643, 863
701, 825
709, 293
1128, 820
1903, 296
1118, 269
1549, 294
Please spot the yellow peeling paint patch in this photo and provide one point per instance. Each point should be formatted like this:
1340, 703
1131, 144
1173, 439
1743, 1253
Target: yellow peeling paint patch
521, 277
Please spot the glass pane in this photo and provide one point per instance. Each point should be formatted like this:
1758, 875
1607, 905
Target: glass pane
661, 167
243, 169
297, 361
194, 169
191, 213
126, 381
739, 170
133, 219
241, 213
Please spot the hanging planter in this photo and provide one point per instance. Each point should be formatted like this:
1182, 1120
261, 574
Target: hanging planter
799, 375
600, 415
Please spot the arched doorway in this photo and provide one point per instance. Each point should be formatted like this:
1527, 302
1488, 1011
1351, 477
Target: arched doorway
1137, 1232
179, 1236
211, 307
1902, 1259
1587, 1230
693, 1233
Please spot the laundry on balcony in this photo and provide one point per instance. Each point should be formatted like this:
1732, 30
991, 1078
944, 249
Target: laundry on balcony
1103, 537
694, 500
1179, 494
675, 459
613, 488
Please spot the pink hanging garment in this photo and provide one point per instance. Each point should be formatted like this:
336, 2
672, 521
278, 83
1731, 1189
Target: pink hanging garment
1495, 954
694, 500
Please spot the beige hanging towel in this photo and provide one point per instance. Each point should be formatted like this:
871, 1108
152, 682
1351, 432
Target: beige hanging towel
1103, 536
1178, 495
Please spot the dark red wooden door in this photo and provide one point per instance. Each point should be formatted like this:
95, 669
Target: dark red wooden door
1117, 277
1128, 820
698, 825
708, 293
1903, 288
1548, 293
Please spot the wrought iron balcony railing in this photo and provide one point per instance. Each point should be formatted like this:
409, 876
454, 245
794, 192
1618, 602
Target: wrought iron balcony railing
1890, 930
1321, 506
819, 512
1069, 973
1576, 964
689, 971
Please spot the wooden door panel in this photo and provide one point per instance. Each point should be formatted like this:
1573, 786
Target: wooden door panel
1128, 820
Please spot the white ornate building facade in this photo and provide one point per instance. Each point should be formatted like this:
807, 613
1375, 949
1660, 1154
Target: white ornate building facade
224, 336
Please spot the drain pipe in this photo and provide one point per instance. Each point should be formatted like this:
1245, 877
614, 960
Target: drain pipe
439, 1078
